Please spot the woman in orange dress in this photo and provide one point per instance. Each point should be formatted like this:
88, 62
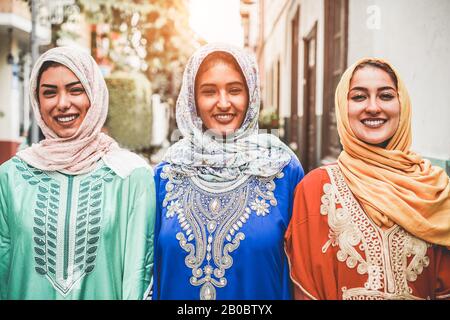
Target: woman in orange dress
376, 224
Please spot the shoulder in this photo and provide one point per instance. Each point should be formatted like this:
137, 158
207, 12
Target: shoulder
12, 165
293, 167
314, 181
125, 163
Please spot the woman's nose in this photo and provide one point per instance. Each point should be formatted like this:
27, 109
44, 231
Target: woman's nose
63, 102
372, 106
223, 102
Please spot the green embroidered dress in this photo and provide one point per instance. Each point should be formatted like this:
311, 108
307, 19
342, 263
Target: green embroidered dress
86, 236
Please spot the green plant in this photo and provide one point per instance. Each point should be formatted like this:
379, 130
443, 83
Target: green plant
268, 118
130, 110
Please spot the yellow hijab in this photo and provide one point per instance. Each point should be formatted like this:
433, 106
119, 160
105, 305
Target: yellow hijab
394, 184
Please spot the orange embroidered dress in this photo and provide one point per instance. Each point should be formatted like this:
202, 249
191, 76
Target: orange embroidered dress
337, 252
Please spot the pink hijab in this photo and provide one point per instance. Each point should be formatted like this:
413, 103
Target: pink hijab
79, 153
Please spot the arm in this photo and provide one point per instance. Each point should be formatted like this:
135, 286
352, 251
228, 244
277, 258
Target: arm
5, 242
443, 272
138, 263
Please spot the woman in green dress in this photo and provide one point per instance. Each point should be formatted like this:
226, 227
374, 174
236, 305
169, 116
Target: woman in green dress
76, 211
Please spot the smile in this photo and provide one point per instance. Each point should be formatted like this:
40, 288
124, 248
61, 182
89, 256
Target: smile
224, 117
66, 119
373, 123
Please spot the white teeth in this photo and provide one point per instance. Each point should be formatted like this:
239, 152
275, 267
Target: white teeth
66, 119
373, 123
224, 116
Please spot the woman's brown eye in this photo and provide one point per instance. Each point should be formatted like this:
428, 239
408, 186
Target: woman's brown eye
77, 90
235, 91
358, 98
48, 92
386, 96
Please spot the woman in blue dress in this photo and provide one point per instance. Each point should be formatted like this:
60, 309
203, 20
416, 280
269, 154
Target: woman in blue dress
224, 191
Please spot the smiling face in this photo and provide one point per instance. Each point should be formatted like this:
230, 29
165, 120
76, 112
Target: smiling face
373, 106
221, 97
63, 102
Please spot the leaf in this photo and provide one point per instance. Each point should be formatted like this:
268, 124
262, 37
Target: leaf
90, 259
84, 184
51, 244
53, 206
96, 203
40, 213
51, 235
95, 176
53, 213
93, 240
96, 211
97, 187
39, 222
54, 192
38, 231
94, 231
39, 261
82, 210
41, 197
90, 268
81, 241
46, 179
95, 220
27, 176
81, 224
16, 160
54, 185
84, 197
50, 219
97, 195
40, 205
39, 241
39, 251
81, 232
54, 199
92, 249
84, 190
79, 259
20, 168
52, 262
108, 179
52, 227
51, 270
41, 271
51, 252
33, 182
79, 250
37, 172
83, 204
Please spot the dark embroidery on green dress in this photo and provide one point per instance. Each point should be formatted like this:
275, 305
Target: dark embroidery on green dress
78, 258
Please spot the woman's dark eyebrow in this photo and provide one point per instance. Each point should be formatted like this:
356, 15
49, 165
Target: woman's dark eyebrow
49, 86
386, 88
72, 84
235, 83
359, 89
366, 90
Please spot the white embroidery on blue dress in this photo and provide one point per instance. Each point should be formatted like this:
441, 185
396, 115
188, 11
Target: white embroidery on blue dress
211, 221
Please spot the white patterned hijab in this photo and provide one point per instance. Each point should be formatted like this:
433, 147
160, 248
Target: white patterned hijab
79, 153
222, 160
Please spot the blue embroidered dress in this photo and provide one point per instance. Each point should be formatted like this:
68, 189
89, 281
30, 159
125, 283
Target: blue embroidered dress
223, 243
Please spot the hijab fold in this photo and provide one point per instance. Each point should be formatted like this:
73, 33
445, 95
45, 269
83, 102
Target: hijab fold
214, 159
394, 184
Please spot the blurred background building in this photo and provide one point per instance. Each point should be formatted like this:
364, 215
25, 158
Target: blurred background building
304, 46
